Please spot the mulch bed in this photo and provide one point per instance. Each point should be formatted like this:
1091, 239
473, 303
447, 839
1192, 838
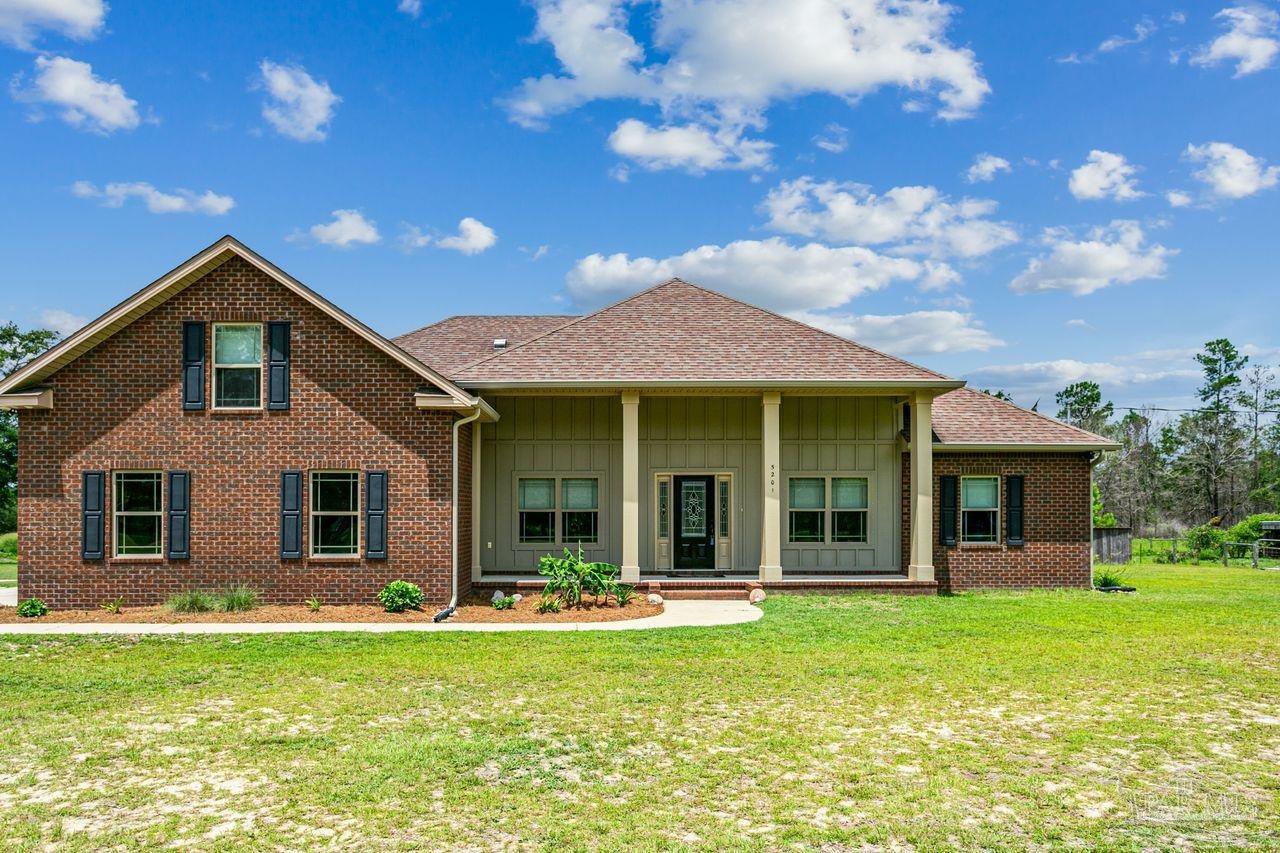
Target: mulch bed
471, 611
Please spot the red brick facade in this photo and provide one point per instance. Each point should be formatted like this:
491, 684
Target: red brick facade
1057, 526
119, 407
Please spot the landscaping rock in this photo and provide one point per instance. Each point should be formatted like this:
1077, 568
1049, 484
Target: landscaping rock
654, 598
518, 597
497, 593
756, 596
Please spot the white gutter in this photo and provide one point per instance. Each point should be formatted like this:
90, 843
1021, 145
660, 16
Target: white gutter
453, 552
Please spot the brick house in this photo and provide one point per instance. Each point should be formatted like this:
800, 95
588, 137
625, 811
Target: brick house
226, 424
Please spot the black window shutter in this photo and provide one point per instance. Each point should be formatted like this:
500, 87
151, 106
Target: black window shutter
291, 515
179, 515
947, 523
1014, 486
375, 515
277, 366
92, 501
192, 365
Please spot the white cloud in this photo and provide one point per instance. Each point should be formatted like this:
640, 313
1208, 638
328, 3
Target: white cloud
1109, 255
62, 322
178, 201
985, 168
1232, 172
917, 219
1048, 377
1105, 175
692, 147
1178, 198
833, 139
1250, 40
1079, 324
1141, 32
348, 228
298, 106
724, 63
768, 272
473, 237
22, 20
412, 8
916, 332
86, 102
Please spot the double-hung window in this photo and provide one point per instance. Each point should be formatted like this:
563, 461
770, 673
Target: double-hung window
807, 509
980, 509
237, 365
335, 513
849, 509
558, 509
138, 511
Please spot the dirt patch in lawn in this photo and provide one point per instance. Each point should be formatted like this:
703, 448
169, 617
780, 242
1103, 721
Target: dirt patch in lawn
525, 610
473, 611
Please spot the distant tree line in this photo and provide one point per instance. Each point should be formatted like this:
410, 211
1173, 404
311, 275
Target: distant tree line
1214, 464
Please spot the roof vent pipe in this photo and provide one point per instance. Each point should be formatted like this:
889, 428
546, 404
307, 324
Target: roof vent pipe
499, 343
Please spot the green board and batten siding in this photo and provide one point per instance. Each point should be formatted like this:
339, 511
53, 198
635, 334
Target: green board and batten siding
582, 436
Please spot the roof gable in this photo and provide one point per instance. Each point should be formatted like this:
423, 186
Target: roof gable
679, 332
176, 280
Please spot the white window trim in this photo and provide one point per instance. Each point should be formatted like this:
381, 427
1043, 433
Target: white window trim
312, 512
116, 513
216, 365
999, 528
558, 510
828, 518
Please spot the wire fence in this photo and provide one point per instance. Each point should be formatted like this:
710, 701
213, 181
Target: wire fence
1263, 554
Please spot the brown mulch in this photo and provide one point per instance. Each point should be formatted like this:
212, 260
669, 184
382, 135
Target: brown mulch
471, 611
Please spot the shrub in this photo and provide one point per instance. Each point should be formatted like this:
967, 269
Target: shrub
399, 596
1205, 541
624, 592
237, 599
9, 545
192, 601
313, 604
1250, 530
548, 604
1108, 577
505, 603
570, 576
115, 605
32, 608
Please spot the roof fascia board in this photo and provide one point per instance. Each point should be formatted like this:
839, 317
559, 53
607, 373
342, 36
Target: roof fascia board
943, 447
886, 386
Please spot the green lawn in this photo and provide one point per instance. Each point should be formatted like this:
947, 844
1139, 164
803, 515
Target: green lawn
1043, 719
8, 572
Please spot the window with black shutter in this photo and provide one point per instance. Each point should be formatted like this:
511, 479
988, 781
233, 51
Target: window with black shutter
948, 486
375, 515
291, 515
1015, 486
193, 365
179, 515
278, 366
92, 518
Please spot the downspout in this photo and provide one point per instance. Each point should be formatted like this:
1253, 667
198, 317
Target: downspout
453, 552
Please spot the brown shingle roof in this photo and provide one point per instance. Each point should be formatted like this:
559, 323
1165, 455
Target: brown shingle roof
965, 416
458, 341
678, 332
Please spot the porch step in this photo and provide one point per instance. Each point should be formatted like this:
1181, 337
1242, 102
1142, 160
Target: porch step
737, 588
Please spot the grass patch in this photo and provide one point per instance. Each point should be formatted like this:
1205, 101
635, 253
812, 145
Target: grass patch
1044, 719
192, 601
8, 572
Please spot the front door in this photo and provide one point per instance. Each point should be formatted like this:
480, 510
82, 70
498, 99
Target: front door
695, 538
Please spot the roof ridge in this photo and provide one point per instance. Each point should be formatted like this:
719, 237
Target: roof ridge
1039, 415
444, 320
578, 319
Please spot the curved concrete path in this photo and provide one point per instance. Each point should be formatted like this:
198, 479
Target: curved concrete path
677, 614
8, 596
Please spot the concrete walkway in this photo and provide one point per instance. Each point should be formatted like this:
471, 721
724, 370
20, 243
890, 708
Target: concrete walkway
677, 614
8, 596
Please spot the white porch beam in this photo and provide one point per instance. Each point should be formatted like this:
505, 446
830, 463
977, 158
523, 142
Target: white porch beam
921, 566
770, 457
630, 487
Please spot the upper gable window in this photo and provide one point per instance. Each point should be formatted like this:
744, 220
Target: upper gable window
237, 366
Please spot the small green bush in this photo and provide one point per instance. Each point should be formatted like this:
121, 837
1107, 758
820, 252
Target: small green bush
32, 608
399, 596
624, 593
115, 605
9, 545
1250, 530
1108, 577
313, 604
548, 604
1205, 541
505, 603
237, 599
192, 601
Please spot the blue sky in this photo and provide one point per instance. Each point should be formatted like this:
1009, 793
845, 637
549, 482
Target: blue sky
825, 158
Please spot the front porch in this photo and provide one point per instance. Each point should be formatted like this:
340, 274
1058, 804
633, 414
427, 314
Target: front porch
705, 490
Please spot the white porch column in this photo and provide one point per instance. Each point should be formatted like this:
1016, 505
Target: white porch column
921, 565
630, 487
475, 501
770, 532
